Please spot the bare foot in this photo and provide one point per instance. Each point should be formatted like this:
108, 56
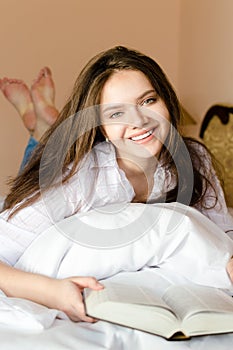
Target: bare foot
17, 92
43, 96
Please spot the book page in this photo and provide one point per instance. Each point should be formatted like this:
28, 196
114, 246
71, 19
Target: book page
131, 306
187, 300
129, 294
133, 299
156, 279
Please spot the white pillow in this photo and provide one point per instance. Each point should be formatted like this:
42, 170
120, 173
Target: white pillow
129, 237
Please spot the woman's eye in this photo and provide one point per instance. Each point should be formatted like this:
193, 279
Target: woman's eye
116, 115
149, 101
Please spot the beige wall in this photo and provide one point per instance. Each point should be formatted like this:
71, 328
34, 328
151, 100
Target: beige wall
191, 40
206, 54
64, 34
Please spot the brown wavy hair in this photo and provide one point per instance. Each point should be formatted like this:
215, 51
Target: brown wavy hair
76, 131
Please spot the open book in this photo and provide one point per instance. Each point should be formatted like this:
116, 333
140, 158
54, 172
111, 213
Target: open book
182, 311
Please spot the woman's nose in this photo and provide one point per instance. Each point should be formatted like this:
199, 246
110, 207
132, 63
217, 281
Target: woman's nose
137, 117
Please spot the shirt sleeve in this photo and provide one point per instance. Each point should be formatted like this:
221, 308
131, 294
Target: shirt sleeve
19, 231
13, 241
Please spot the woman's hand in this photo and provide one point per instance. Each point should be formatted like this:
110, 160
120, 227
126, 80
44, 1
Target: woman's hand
230, 269
61, 294
66, 295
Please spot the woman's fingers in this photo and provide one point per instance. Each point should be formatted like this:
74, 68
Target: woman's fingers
87, 282
74, 306
77, 314
83, 318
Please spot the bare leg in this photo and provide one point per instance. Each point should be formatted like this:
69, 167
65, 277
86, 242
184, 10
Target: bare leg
43, 96
17, 92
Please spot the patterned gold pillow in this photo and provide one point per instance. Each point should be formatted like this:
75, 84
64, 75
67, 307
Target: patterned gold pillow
218, 138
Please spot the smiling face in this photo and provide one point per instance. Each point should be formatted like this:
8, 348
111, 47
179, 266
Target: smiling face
133, 117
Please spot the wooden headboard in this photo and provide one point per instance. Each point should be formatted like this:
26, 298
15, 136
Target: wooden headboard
216, 133
223, 113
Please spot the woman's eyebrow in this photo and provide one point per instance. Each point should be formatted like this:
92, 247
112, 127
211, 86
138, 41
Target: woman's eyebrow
146, 93
112, 107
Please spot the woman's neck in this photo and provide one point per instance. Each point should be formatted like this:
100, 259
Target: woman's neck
137, 166
140, 174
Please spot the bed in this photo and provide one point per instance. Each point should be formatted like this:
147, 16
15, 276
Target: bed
26, 326
159, 238
66, 335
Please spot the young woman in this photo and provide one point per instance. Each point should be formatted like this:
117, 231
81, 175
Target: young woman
115, 141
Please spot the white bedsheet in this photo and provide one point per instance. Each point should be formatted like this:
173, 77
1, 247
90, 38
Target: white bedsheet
175, 237
64, 335
67, 335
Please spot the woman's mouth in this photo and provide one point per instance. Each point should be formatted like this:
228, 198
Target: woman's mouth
148, 135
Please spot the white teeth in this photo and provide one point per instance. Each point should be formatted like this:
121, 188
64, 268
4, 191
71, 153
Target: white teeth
143, 136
